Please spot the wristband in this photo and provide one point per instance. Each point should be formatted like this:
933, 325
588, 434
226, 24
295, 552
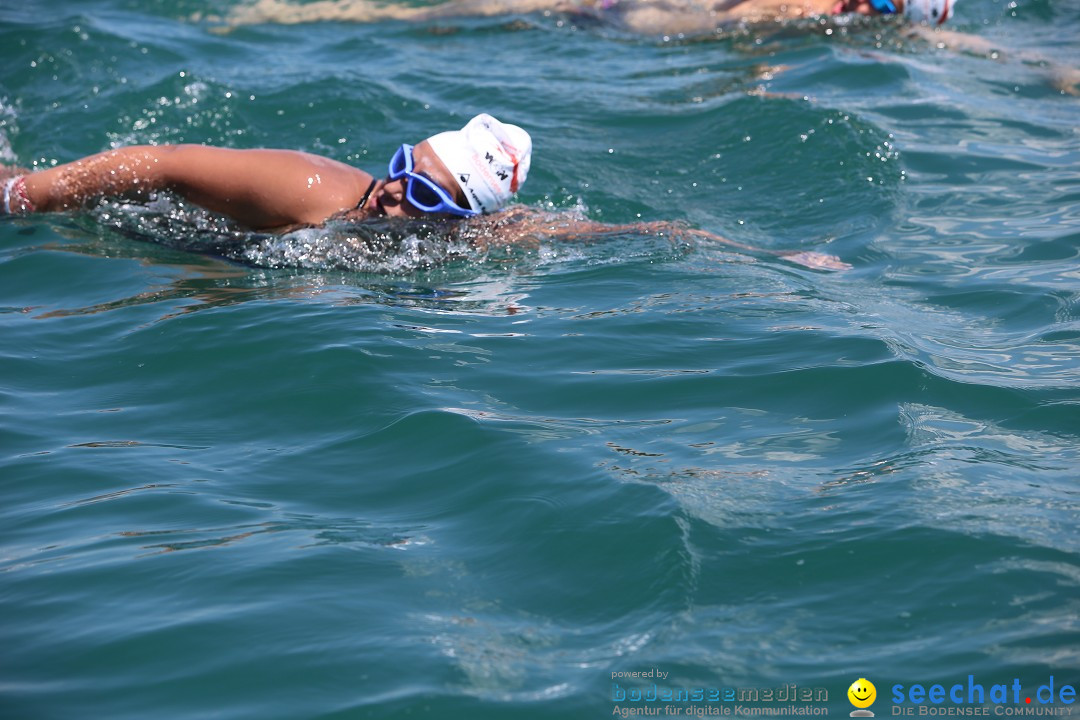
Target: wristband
16, 199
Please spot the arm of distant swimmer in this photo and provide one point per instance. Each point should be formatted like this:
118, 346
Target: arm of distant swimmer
1062, 77
259, 188
365, 11
961, 41
283, 12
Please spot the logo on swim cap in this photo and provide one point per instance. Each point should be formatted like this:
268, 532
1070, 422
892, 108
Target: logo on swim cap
932, 12
488, 158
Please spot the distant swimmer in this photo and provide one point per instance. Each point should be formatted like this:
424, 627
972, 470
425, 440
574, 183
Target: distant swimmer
924, 19
462, 179
640, 16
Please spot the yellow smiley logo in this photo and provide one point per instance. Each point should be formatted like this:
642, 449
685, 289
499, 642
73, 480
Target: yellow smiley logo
862, 693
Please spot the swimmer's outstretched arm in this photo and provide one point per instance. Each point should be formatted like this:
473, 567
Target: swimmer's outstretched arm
259, 188
521, 222
806, 258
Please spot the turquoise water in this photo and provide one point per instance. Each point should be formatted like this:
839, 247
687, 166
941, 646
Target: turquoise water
414, 483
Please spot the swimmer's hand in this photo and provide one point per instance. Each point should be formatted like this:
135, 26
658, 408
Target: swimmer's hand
816, 260
1066, 80
10, 171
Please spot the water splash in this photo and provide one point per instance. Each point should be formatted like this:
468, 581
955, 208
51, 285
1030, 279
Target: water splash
385, 246
7, 125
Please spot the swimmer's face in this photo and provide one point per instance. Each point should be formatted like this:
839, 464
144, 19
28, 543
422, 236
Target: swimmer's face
862, 7
388, 197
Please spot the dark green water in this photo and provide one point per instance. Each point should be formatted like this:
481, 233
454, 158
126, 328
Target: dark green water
476, 487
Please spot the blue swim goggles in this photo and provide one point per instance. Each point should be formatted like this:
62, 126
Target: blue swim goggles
885, 7
422, 192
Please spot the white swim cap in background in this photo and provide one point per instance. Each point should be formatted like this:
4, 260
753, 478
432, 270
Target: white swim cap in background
931, 12
489, 159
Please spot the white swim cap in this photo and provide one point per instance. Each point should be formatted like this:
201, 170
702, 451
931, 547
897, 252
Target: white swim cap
489, 159
931, 12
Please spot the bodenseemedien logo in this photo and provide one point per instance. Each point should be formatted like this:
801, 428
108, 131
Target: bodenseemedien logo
862, 694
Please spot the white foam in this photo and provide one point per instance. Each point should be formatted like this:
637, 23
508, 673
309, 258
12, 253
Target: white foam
7, 120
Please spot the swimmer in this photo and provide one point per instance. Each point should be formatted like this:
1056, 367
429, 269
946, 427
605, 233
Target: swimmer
648, 17
924, 19
460, 177
461, 173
